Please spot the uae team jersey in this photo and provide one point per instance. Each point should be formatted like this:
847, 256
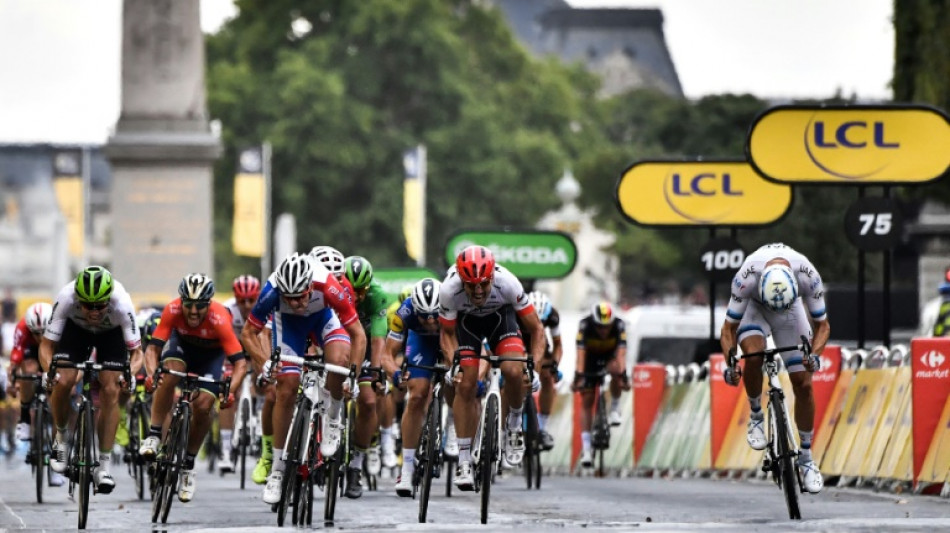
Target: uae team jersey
745, 285
213, 332
120, 313
505, 290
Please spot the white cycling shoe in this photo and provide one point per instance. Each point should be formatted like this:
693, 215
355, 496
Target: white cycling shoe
514, 451
811, 477
614, 418
373, 462
272, 489
186, 487
149, 448
23, 431
389, 458
57, 460
404, 485
755, 433
587, 459
464, 477
332, 428
451, 442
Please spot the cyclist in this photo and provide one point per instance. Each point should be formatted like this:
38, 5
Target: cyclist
304, 298
769, 295
942, 325
415, 324
194, 335
551, 320
246, 289
372, 301
91, 312
601, 344
481, 300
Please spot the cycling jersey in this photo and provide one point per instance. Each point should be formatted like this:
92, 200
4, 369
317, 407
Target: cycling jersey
326, 293
372, 310
391, 312
120, 314
24, 344
237, 319
213, 332
942, 325
745, 284
422, 344
406, 320
594, 345
553, 324
505, 290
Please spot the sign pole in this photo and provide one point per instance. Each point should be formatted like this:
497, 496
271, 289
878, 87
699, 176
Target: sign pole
712, 296
265, 256
860, 295
886, 288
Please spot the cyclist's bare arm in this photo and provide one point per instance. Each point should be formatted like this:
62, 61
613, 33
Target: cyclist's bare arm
378, 345
152, 353
820, 338
448, 341
253, 345
388, 356
557, 349
136, 360
727, 337
47, 347
532, 326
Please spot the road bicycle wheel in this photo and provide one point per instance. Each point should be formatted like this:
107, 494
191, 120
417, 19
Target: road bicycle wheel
244, 438
334, 467
786, 463
488, 453
290, 484
139, 426
449, 469
38, 450
180, 446
84, 461
531, 437
430, 454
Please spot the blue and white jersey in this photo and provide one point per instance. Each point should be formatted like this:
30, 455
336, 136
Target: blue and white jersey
406, 319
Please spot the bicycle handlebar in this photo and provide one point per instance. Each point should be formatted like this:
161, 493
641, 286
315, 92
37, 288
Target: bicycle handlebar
314, 364
805, 347
226, 383
88, 365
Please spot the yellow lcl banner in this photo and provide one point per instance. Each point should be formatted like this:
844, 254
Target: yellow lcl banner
861, 144
69, 197
247, 233
700, 193
413, 225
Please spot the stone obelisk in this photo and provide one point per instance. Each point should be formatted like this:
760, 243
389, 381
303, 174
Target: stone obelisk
162, 151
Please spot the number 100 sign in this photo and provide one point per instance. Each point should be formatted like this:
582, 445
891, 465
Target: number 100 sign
874, 224
720, 258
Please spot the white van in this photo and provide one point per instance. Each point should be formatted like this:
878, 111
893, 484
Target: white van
671, 334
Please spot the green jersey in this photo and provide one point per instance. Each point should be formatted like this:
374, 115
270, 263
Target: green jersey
372, 310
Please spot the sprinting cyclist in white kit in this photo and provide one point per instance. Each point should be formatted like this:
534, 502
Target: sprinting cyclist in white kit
769, 296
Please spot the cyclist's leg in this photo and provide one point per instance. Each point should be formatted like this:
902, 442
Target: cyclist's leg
587, 408
420, 350
226, 425
386, 414
110, 347
74, 343
29, 365
547, 394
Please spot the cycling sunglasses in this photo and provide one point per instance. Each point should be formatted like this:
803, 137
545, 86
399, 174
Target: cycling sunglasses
198, 304
94, 306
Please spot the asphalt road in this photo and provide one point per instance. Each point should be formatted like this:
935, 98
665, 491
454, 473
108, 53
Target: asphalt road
562, 503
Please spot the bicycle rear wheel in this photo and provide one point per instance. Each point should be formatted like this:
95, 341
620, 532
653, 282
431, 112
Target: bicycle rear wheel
786, 463
244, 439
179, 447
430, 454
488, 453
84, 461
38, 450
334, 467
140, 431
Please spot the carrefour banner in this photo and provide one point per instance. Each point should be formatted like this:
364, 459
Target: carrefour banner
250, 197
68, 187
527, 254
700, 193
850, 144
394, 279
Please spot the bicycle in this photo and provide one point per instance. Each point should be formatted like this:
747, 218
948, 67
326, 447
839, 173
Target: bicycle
600, 426
139, 421
487, 445
301, 452
349, 422
430, 457
782, 447
82, 457
246, 427
531, 465
171, 455
41, 434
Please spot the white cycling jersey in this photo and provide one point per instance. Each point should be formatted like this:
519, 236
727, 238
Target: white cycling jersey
746, 282
119, 314
237, 320
505, 290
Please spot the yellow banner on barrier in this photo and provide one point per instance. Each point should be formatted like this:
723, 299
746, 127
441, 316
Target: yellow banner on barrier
861, 395
734, 443
832, 414
894, 452
936, 465
871, 416
887, 422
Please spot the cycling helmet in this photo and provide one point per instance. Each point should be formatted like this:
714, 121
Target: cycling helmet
37, 317
425, 296
778, 287
541, 304
148, 328
406, 292
475, 264
94, 285
196, 286
602, 313
294, 275
358, 271
944, 287
329, 257
246, 286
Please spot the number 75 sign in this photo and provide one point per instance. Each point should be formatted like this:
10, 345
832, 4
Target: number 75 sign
874, 224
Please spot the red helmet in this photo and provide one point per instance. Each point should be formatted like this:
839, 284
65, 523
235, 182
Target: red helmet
246, 286
475, 264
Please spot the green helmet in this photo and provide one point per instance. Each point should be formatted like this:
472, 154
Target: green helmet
358, 271
94, 285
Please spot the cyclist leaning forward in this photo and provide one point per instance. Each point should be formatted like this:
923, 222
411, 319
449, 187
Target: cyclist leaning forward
372, 302
194, 335
481, 300
551, 320
601, 343
304, 298
92, 312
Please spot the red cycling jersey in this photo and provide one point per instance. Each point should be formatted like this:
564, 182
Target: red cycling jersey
23, 340
214, 331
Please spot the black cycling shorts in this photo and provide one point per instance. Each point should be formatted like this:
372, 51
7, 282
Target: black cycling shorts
78, 343
208, 362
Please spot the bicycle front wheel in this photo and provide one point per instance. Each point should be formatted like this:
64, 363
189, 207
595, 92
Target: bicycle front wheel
488, 455
786, 463
244, 439
39, 451
290, 485
430, 454
177, 458
84, 461
531, 449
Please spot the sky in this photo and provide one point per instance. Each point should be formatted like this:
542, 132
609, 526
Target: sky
60, 59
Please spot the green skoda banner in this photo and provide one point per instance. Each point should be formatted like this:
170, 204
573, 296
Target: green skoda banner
394, 279
531, 254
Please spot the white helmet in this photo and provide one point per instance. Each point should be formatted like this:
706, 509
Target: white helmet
778, 287
294, 275
37, 317
196, 286
329, 257
425, 296
541, 304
